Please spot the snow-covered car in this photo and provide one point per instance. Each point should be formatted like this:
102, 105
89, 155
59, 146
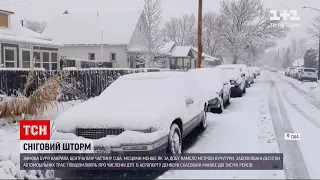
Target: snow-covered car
287, 72
215, 87
242, 68
296, 72
273, 69
291, 72
308, 74
253, 73
238, 85
143, 112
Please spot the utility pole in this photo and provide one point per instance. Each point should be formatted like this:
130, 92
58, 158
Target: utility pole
200, 34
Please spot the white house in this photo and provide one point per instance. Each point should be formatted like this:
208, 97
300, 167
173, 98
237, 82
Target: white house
23, 48
101, 37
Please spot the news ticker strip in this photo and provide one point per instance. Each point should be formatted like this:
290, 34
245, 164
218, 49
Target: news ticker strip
151, 162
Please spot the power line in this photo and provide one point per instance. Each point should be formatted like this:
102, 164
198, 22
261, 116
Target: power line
13, 3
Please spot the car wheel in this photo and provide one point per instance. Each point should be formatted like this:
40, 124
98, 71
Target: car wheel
228, 101
175, 140
203, 124
220, 109
244, 91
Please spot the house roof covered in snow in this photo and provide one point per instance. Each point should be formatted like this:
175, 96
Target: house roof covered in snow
86, 29
6, 12
180, 51
206, 56
165, 49
16, 33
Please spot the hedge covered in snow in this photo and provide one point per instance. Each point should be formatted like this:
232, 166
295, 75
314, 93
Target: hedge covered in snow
82, 83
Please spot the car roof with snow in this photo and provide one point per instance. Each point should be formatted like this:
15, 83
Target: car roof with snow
150, 75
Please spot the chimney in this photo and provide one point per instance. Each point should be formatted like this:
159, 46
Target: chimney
66, 12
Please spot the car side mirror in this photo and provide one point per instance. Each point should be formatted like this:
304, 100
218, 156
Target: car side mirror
189, 101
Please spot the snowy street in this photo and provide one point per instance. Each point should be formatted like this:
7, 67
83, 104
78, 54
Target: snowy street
249, 126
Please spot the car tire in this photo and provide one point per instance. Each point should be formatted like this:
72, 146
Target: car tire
203, 124
175, 140
220, 109
244, 91
228, 101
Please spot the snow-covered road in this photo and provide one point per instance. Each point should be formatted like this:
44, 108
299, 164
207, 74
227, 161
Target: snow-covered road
244, 127
257, 123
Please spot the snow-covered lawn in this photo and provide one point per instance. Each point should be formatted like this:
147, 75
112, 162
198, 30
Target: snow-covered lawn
244, 127
9, 145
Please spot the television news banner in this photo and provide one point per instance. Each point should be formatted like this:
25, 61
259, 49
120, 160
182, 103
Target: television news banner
39, 152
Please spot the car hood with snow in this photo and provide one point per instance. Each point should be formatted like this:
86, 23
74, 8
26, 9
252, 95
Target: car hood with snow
128, 103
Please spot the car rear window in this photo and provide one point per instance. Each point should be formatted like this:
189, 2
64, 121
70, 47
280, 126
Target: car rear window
309, 70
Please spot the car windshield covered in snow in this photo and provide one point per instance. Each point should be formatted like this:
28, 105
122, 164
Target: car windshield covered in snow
153, 84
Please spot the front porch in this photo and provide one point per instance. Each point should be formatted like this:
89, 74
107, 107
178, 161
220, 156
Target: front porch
20, 55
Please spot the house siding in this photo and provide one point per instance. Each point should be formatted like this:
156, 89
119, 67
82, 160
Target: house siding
82, 52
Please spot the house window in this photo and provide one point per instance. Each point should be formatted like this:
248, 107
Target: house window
45, 60
36, 59
113, 56
92, 56
179, 63
54, 61
187, 63
26, 58
10, 57
173, 63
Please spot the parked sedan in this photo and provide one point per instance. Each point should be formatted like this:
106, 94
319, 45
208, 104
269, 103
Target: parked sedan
242, 68
215, 87
238, 85
143, 112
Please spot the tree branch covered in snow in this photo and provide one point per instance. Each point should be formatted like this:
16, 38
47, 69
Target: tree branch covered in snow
212, 39
152, 43
181, 30
36, 26
246, 23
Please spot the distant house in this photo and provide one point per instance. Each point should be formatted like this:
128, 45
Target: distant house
298, 63
185, 57
23, 48
102, 37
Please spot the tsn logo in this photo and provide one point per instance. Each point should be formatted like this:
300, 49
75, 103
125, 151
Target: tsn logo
292, 136
35, 130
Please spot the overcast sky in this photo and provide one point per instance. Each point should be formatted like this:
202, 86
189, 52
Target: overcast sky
48, 9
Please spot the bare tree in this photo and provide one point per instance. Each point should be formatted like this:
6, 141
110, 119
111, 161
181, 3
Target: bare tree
181, 30
244, 23
212, 39
298, 48
36, 26
152, 41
